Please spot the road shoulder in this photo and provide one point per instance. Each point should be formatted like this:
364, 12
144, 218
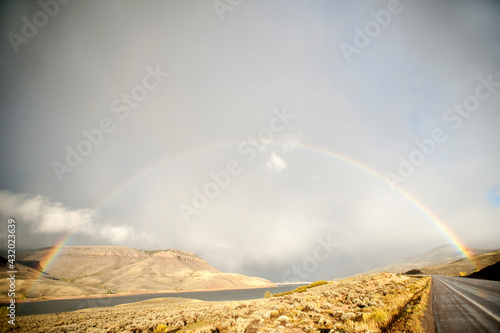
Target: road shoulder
428, 323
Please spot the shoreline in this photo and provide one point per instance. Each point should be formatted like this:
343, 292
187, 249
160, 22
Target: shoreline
4, 301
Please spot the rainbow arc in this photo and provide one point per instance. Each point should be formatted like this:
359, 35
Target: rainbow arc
430, 216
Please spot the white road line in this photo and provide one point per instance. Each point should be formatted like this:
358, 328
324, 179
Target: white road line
497, 318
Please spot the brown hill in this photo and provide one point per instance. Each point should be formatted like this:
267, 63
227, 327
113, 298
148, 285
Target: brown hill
438, 256
22, 271
464, 266
37, 284
90, 270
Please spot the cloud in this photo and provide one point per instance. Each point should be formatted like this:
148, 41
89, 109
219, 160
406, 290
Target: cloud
41, 216
290, 141
285, 144
317, 178
117, 234
275, 164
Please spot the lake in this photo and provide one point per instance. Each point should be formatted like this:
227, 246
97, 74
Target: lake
65, 305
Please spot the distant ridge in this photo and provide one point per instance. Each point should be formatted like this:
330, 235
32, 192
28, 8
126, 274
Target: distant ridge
463, 267
440, 255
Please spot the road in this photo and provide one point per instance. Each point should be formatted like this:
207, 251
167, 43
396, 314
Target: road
466, 305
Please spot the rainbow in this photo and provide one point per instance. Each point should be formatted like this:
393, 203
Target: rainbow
53, 253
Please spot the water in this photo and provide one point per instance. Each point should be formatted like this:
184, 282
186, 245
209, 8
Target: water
65, 305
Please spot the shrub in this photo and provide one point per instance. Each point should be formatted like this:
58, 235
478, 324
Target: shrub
268, 294
161, 329
318, 283
379, 316
301, 289
4, 311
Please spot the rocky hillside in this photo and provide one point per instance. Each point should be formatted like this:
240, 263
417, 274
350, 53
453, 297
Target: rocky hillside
77, 261
90, 270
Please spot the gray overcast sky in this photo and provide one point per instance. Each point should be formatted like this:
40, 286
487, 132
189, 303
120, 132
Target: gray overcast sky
364, 80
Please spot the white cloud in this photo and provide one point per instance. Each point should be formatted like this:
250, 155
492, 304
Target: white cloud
117, 234
317, 177
45, 217
276, 163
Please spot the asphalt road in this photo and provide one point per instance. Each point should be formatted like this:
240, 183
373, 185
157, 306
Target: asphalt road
466, 305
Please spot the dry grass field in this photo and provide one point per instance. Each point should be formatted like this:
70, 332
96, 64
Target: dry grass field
381, 302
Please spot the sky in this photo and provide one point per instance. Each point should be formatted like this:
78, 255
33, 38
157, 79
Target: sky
288, 140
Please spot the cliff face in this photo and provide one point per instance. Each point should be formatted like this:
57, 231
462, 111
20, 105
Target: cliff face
177, 254
74, 261
100, 251
121, 269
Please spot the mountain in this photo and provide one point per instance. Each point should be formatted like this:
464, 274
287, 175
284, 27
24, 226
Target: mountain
463, 267
440, 255
90, 270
